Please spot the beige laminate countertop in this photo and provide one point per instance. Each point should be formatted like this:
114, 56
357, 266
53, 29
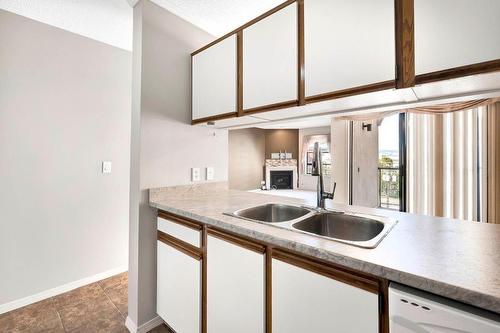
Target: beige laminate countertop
455, 259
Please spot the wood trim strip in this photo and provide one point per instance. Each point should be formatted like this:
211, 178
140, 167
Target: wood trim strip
182, 221
352, 91
301, 93
269, 289
271, 107
180, 245
405, 43
204, 304
246, 25
239, 73
358, 281
452, 73
214, 118
247, 244
384, 306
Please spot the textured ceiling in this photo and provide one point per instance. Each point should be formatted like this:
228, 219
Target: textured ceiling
108, 21
111, 21
218, 17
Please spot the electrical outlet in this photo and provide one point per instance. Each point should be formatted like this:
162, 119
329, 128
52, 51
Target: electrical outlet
106, 167
195, 174
210, 173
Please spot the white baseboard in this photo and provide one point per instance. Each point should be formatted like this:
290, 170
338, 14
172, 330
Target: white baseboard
59, 290
144, 328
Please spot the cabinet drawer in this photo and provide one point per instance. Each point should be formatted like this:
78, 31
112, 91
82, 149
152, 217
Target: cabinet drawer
179, 231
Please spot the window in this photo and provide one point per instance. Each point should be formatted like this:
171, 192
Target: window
324, 144
389, 177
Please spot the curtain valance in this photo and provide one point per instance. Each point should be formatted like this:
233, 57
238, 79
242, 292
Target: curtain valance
433, 109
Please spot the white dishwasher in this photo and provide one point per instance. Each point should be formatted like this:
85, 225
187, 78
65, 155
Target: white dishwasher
415, 311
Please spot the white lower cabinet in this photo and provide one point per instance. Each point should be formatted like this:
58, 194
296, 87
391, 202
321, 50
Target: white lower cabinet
301, 300
235, 288
178, 289
304, 301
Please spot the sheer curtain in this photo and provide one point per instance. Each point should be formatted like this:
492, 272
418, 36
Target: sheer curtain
493, 158
447, 159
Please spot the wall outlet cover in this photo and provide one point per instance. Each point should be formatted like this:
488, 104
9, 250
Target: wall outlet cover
210, 173
195, 174
106, 167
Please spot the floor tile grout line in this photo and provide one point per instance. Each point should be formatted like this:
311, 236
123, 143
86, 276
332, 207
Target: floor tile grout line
109, 298
58, 314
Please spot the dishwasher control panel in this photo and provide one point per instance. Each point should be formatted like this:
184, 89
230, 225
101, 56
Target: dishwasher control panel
415, 311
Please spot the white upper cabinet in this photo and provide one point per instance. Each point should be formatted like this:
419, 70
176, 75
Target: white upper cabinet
453, 33
270, 59
214, 79
348, 44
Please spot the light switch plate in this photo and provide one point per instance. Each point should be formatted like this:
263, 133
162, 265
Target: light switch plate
106, 167
210, 173
195, 174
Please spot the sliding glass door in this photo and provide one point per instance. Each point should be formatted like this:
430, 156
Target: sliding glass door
392, 162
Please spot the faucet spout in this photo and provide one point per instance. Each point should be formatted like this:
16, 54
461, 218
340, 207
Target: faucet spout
321, 194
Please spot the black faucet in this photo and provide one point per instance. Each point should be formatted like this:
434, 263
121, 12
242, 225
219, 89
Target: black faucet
321, 195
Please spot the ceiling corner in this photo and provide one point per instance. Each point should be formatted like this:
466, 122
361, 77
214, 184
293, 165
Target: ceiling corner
132, 3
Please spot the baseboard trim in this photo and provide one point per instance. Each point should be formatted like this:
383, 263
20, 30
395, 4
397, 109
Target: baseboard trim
59, 290
144, 328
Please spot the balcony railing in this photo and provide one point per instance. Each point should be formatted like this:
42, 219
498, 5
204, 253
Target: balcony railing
388, 187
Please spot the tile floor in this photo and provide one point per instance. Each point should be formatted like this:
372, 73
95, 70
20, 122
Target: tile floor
100, 307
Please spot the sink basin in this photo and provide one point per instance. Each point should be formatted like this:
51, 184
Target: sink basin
272, 213
357, 229
354, 229
341, 226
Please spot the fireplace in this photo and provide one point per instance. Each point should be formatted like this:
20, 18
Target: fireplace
282, 179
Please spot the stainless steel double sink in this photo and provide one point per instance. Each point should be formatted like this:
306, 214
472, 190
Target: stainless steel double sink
361, 230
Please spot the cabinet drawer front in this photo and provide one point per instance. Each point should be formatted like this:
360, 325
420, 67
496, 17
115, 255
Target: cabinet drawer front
235, 288
304, 301
179, 231
178, 289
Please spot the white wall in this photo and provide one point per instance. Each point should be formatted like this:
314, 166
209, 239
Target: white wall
340, 159
308, 182
164, 144
64, 108
365, 164
247, 157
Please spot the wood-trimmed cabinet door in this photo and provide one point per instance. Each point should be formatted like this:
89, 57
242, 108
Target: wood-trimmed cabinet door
178, 289
304, 301
455, 33
235, 288
214, 80
348, 44
270, 60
